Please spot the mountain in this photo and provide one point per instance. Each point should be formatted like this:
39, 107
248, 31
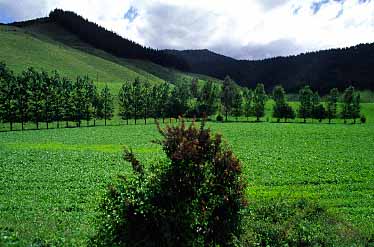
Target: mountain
322, 70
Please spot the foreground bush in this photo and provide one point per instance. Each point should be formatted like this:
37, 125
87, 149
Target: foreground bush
194, 199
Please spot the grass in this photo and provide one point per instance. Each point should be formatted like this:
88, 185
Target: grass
52, 179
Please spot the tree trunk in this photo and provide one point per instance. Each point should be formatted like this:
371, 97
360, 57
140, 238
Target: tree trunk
354, 120
329, 120
94, 121
127, 121
258, 119
67, 124
47, 124
22, 125
11, 125
226, 115
105, 120
58, 124
37, 125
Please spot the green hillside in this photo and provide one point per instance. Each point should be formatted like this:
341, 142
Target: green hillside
49, 47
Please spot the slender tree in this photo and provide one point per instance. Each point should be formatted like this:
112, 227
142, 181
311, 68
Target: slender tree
57, 100
348, 99
247, 105
237, 107
227, 95
280, 102
306, 105
22, 97
78, 98
125, 102
7, 96
332, 101
207, 99
35, 81
356, 108
259, 101
146, 100
68, 97
107, 103
89, 92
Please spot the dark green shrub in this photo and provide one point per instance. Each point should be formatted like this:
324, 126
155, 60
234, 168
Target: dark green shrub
194, 199
363, 119
219, 118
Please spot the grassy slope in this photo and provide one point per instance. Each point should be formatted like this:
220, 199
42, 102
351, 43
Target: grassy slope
48, 47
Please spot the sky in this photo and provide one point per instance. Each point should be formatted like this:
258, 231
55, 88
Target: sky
243, 29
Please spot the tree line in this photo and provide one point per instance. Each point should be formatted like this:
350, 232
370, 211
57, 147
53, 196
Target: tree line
39, 97
34, 96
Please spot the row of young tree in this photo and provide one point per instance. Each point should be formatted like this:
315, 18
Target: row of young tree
38, 97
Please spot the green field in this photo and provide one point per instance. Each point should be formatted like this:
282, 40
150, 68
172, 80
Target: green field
52, 180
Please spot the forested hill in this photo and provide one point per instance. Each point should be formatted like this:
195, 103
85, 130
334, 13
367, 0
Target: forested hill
108, 41
322, 70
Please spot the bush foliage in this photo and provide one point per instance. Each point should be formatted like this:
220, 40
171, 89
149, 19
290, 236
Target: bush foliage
194, 199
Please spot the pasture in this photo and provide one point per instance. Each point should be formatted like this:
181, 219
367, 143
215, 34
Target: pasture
52, 180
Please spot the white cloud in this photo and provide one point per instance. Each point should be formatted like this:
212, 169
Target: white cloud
240, 28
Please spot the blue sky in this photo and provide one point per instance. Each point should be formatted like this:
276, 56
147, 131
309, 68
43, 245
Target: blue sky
244, 29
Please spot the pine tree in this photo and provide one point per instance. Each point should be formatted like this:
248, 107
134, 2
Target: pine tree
259, 101
7, 96
136, 98
306, 105
332, 101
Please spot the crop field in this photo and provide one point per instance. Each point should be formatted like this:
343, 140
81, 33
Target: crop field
52, 180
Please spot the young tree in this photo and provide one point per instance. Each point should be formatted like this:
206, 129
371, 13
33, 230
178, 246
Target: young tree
305, 98
56, 113
35, 82
227, 95
259, 101
319, 112
67, 100
332, 101
22, 97
348, 99
49, 95
89, 92
161, 95
280, 102
136, 98
194, 88
106, 99
177, 104
124, 101
7, 96
356, 108
78, 98
289, 112
237, 107
247, 105
146, 100
207, 99
315, 104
